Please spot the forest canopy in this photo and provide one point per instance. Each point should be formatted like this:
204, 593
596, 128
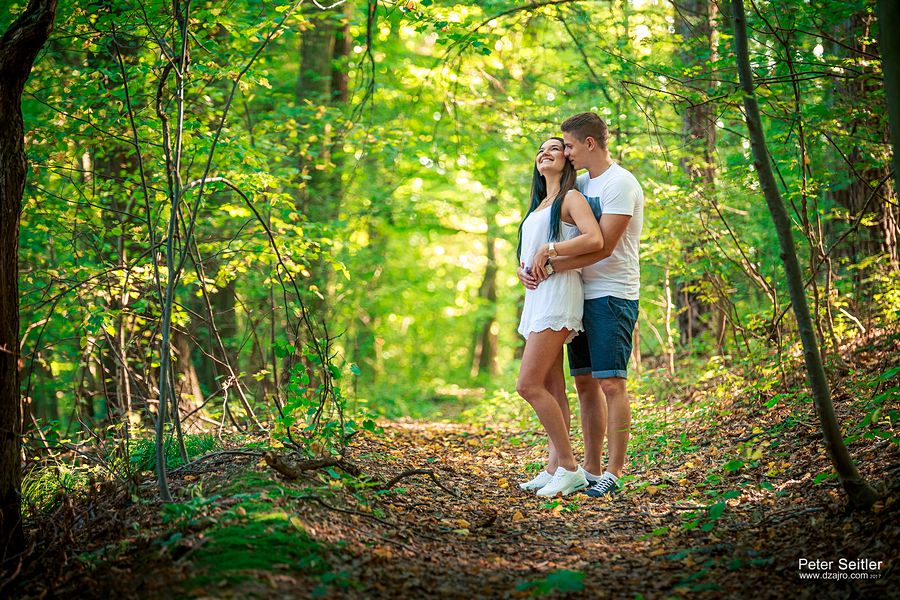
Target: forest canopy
388, 163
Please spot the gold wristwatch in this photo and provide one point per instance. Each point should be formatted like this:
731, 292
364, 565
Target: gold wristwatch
552, 250
549, 266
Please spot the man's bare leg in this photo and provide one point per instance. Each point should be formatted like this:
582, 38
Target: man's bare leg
619, 423
593, 421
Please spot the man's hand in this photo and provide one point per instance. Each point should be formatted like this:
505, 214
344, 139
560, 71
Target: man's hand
540, 260
528, 280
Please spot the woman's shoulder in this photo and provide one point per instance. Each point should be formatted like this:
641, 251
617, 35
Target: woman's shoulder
574, 195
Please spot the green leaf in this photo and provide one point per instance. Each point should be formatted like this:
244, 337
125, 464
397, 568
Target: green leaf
563, 581
889, 374
823, 477
734, 465
716, 510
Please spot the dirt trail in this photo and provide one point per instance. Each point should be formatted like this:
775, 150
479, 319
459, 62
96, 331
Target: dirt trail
248, 532
495, 539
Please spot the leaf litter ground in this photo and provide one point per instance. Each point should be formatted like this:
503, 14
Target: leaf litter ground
727, 492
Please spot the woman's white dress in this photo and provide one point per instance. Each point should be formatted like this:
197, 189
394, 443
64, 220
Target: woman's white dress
558, 301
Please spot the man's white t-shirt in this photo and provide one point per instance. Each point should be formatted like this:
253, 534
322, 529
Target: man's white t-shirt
615, 192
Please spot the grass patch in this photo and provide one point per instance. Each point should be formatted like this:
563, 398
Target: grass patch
256, 537
233, 552
44, 487
142, 451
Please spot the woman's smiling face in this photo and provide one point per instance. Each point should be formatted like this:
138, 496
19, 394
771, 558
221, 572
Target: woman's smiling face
551, 157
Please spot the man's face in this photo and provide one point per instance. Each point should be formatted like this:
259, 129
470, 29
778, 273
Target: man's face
576, 150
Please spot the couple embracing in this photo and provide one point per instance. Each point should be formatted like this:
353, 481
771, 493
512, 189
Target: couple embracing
578, 253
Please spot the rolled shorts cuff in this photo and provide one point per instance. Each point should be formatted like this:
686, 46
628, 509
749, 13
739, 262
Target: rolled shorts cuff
582, 371
619, 373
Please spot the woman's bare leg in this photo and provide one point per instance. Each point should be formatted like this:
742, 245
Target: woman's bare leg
556, 385
541, 351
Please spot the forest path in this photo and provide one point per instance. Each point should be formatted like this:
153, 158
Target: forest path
668, 534
727, 489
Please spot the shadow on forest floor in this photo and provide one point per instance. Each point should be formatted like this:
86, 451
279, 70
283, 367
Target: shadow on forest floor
723, 501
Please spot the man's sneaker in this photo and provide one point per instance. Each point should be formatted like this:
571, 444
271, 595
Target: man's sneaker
607, 484
591, 477
538, 482
564, 482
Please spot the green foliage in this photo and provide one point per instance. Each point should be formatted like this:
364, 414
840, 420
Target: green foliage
43, 487
142, 453
382, 205
189, 513
880, 410
247, 537
562, 581
233, 552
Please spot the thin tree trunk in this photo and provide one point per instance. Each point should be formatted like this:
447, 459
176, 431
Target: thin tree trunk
859, 100
19, 48
636, 347
889, 20
176, 189
670, 342
188, 376
860, 493
323, 81
698, 126
484, 354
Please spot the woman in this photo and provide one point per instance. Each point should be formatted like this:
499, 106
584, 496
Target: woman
559, 222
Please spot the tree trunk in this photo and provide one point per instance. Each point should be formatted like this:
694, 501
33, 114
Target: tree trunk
321, 88
484, 353
860, 493
188, 393
111, 160
858, 99
889, 20
670, 343
693, 22
322, 82
19, 47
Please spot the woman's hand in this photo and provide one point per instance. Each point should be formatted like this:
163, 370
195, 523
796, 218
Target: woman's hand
538, 266
525, 276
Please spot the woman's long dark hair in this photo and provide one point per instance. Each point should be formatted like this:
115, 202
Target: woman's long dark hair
539, 191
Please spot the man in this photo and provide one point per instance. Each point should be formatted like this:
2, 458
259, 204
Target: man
598, 358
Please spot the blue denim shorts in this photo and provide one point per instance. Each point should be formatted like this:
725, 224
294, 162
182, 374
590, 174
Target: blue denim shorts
604, 347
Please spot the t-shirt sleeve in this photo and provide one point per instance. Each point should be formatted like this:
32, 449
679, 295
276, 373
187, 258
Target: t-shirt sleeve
622, 197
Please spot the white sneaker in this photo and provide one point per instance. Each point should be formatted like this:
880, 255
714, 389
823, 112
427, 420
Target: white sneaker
538, 482
564, 482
